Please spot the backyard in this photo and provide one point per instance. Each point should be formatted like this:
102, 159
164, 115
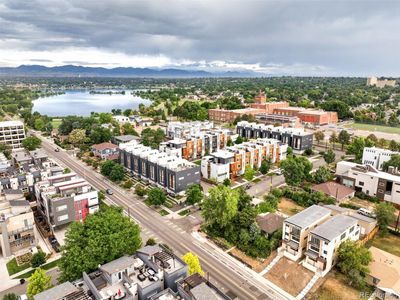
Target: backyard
389, 243
289, 207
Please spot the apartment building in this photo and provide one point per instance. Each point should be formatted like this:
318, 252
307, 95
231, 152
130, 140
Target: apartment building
27, 168
369, 180
309, 116
376, 157
381, 82
324, 240
139, 277
17, 225
284, 121
65, 198
296, 138
231, 163
181, 130
228, 116
297, 228
12, 133
161, 169
197, 145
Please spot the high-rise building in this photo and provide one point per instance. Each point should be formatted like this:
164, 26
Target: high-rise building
12, 133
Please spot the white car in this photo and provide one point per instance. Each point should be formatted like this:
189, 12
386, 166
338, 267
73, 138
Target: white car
278, 172
23, 297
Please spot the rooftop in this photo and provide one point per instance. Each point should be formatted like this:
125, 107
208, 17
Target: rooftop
333, 189
58, 292
11, 123
308, 216
118, 264
270, 222
104, 146
126, 138
334, 227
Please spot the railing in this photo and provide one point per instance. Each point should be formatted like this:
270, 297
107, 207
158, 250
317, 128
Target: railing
23, 229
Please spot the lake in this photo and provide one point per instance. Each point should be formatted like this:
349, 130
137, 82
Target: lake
82, 103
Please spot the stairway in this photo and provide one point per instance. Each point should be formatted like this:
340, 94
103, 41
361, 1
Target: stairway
271, 264
308, 287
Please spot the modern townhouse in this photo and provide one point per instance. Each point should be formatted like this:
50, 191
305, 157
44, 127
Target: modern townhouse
159, 168
12, 133
324, 240
197, 145
65, 198
376, 157
296, 138
297, 228
121, 139
17, 225
26, 169
231, 163
183, 129
367, 179
139, 277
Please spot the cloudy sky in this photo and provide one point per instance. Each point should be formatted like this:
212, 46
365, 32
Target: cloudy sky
319, 37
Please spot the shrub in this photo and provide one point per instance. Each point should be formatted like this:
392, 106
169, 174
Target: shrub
38, 259
140, 191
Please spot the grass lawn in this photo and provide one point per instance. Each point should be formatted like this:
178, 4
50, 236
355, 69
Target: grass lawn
163, 212
372, 127
197, 162
336, 287
13, 268
256, 180
289, 207
147, 202
56, 123
48, 266
389, 243
184, 212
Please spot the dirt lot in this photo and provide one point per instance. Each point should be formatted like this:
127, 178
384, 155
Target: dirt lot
256, 264
335, 287
290, 276
289, 207
363, 203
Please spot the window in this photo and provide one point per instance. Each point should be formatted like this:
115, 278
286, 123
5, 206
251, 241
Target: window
361, 183
61, 208
351, 229
62, 218
343, 236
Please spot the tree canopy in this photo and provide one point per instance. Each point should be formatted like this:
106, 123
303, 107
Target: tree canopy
31, 143
385, 215
194, 194
37, 283
103, 237
156, 196
193, 263
296, 169
152, 138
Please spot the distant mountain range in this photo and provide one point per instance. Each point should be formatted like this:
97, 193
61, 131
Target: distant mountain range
79, 71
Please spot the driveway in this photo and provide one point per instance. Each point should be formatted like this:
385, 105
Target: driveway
6, 282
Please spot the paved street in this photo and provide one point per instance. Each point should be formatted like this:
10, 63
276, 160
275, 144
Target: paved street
227, 274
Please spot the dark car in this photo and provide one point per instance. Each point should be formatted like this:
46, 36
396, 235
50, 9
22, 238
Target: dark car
109, 192
52, 239
57, 150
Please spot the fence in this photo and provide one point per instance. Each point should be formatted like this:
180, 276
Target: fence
369, 236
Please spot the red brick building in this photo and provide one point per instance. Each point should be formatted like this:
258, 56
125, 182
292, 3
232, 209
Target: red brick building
312, 116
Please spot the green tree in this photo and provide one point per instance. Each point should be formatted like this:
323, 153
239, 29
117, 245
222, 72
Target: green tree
105, 118
38, 259
394, 161
37, 283
344, 138
140, 191
194, 194
107, 167
265, 166
152, 138
333, 139
104, 236
227, 182
353, 261
100, 135
329, 156
356, 147
6, 150
319, 136
10, 296
372, 138
342, 108
128, 129
77, 137
239, 140
385, 215
31, 143
39, 124
321, 175
156, 196
193, 263
117, 173
295, 169
393, 145
221, 206
249, 173
150, 241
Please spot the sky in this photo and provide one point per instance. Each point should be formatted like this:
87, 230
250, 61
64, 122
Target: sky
319, 37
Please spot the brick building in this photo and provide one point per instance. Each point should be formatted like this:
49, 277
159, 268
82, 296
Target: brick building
312, 116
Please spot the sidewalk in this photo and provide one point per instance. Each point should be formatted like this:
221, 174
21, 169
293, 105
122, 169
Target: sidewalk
57, 256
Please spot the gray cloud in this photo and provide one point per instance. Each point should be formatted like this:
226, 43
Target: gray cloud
314, 37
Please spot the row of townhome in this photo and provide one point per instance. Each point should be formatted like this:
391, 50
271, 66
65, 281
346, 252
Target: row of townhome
27, 168
12, 133
376, 157
167, 171
231, 163
197, 145
369, 180
296, 138
18, 233
314, 235
65, 198
153, 273
183, 129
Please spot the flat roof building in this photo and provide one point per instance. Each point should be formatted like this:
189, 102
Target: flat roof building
12, 133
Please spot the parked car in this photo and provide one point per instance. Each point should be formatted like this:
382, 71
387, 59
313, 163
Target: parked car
366, 212
23, 297
57, 150
52, 239
109, 192
278, 172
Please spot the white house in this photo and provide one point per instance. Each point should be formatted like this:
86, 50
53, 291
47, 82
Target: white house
376, 156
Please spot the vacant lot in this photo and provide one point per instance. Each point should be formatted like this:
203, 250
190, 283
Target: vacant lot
289, 207
289, 276
56, 123
377, 128
389, 243
335, 287
256, 264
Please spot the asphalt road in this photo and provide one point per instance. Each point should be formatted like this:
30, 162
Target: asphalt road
230, 276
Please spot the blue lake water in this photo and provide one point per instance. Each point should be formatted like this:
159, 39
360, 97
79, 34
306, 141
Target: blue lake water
82, 103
